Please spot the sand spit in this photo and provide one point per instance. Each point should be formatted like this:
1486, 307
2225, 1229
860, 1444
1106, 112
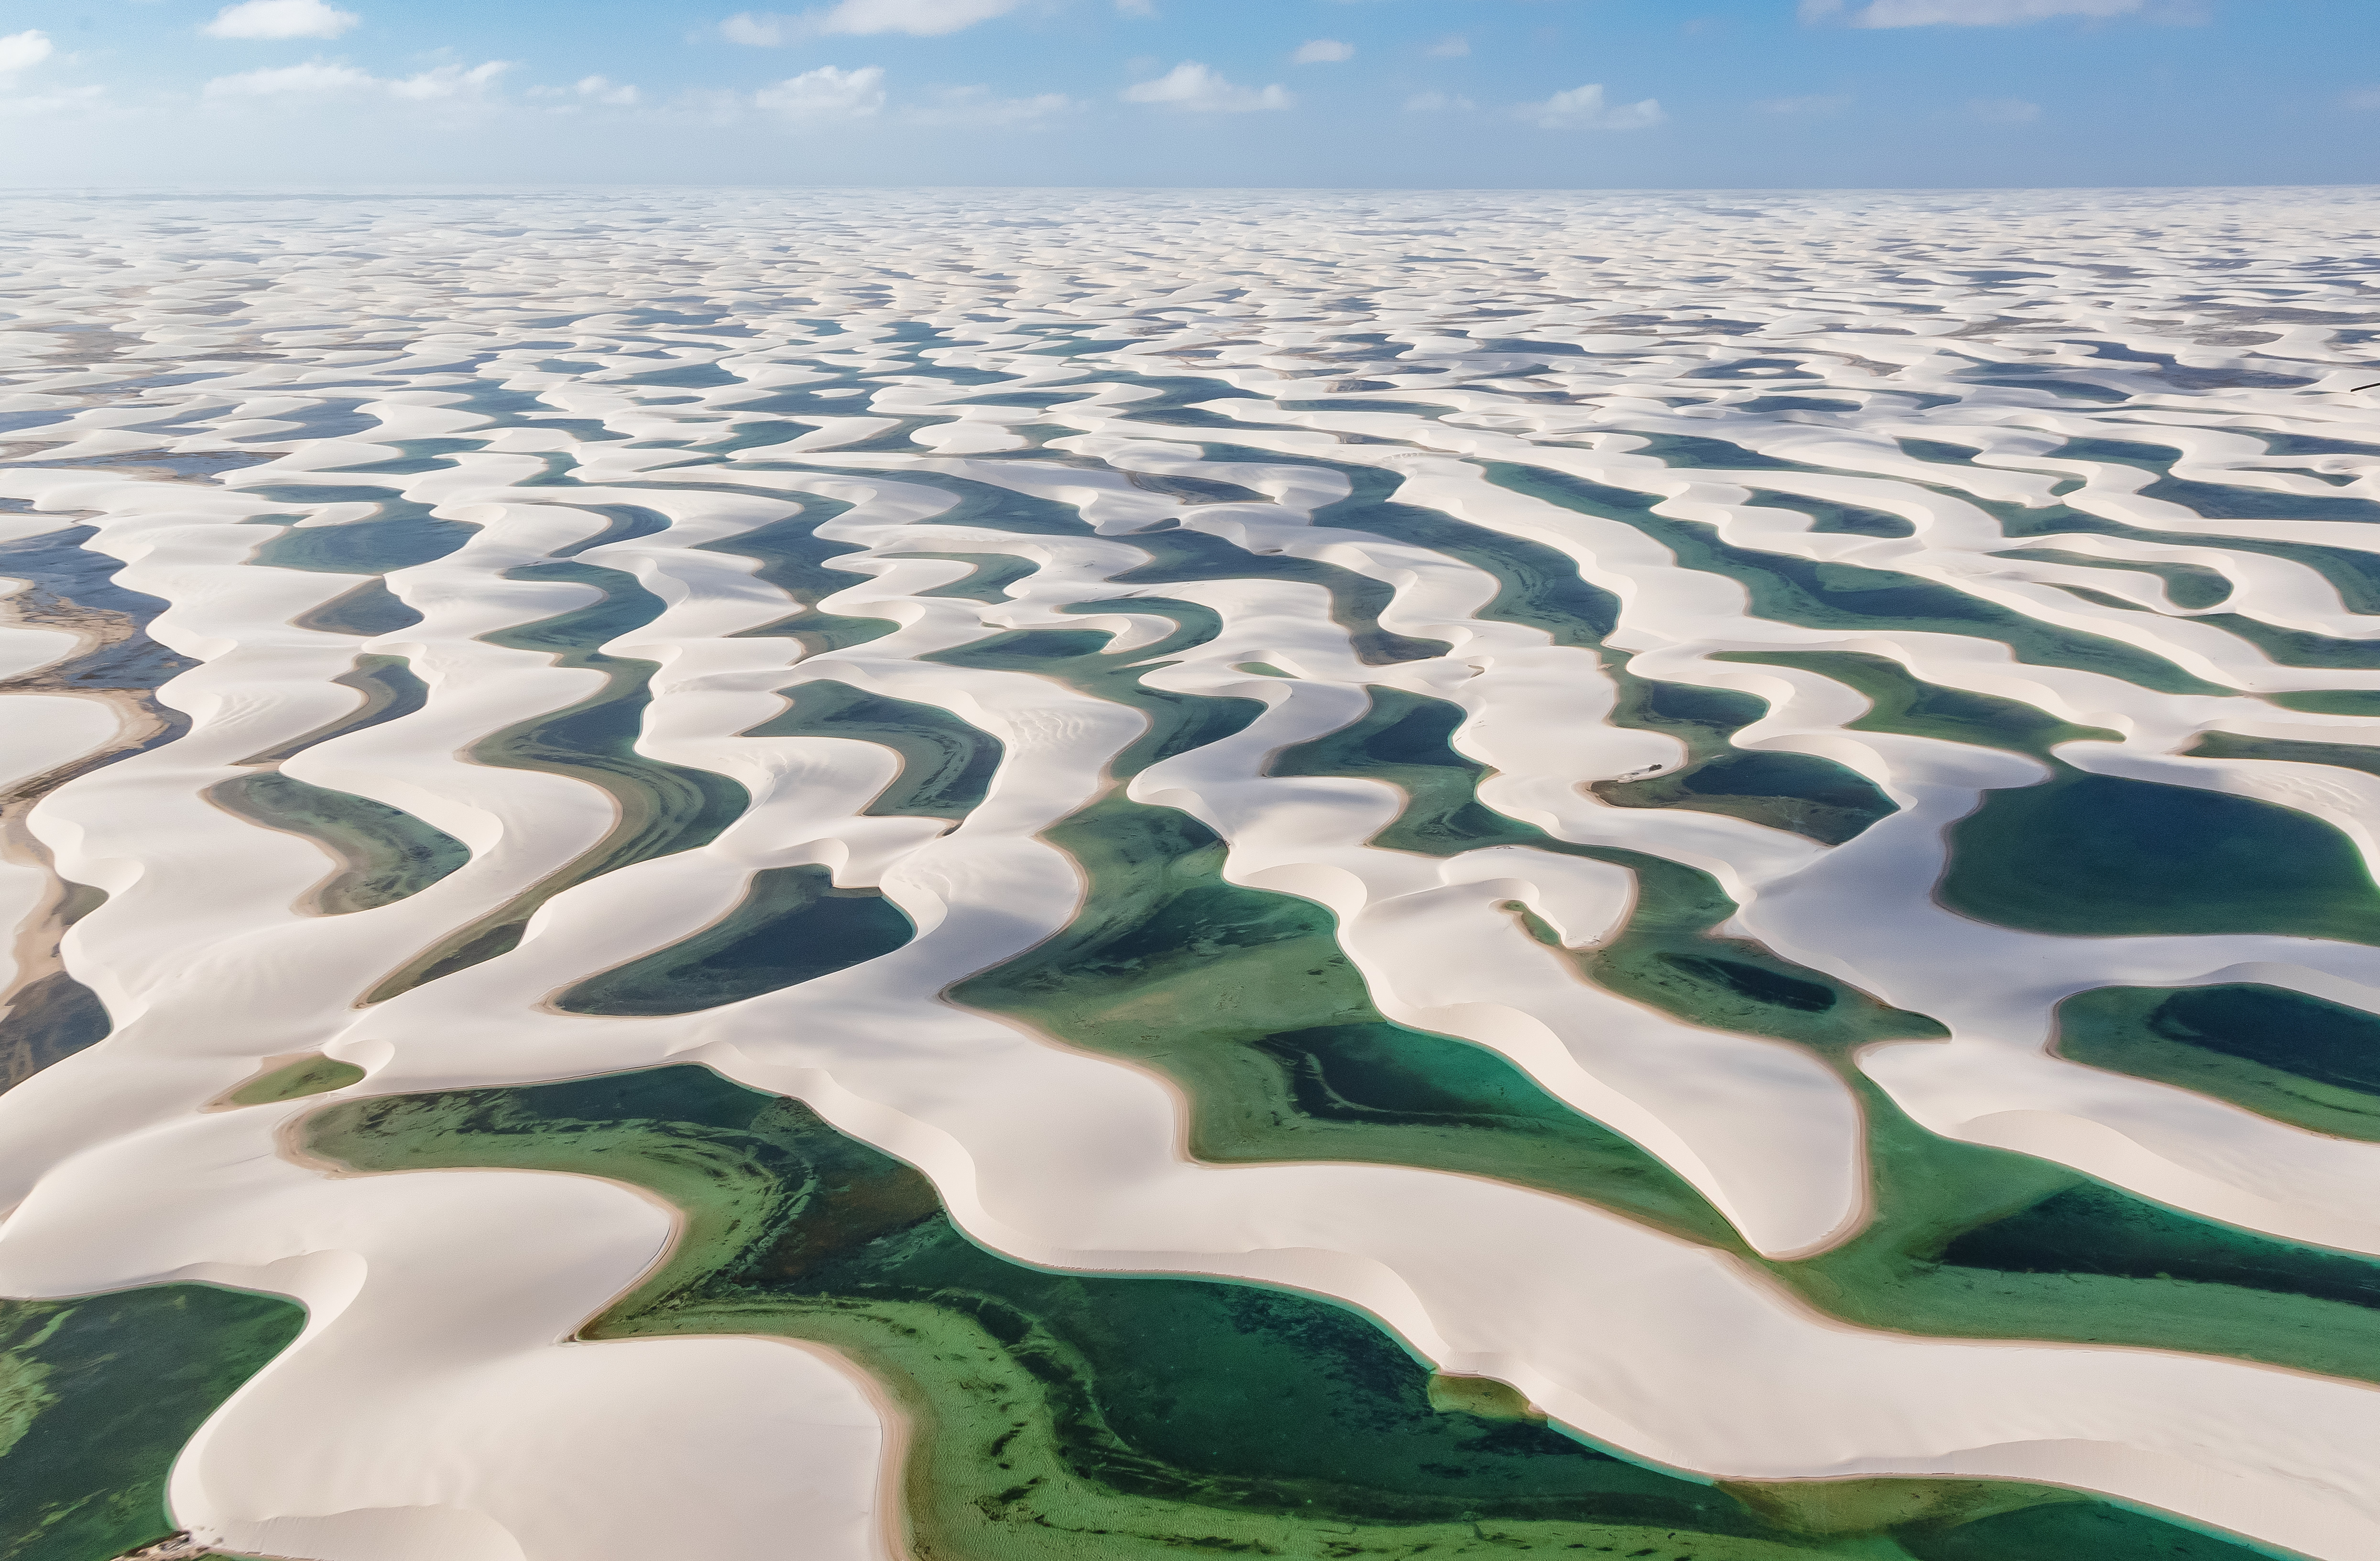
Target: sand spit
545, 515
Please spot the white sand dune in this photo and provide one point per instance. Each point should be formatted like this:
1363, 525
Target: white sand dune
435, 1404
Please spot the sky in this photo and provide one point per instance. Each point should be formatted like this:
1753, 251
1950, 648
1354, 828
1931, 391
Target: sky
1275, 93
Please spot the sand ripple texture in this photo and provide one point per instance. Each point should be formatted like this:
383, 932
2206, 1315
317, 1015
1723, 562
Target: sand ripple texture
1735, 665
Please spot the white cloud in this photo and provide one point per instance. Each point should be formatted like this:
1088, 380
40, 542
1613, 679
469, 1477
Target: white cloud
39, 105
1436, 102
1322, 50
1192, 86
22, 51
1824, 106
1453, 46
2368, 98
2004, 111
279, 19
1970, 12
315, 77
919, 19
604, 91
450, 81
759, 31
976, 105
826, 93
1583, 108
319, 77
1136, 7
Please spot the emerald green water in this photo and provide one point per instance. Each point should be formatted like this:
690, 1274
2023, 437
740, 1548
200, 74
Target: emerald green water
794, 558
2231, 745
2187, 586
308, 1076
2102, 856
369, 609
2331, 701
391, 691
48, 1020
2282, 1054
663, 808
1061, 1414
1900, 701
2098, 855
1244, 1000
389, 852
2215, 500
99, 1394
988, 578
401, 535
791, 925
1177, 723
946, 762
1179, 555
1843, 596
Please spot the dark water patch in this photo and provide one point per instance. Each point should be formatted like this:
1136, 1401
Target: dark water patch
622, 523
947, 764
2287, 1055
307, 1076
1410, 409
793, 924
1667, 957
977, 503
390, 691
1843, 519
1405, 740
1243, 999
2102, 856
794, 559
2051, 383
663, 808
1117, 1411
1695, 452
2094, 1229
74, 589
690, 375
2330, 701
368, 610
1176, 722
2213, 501
1129, 1416
2187, 586
1816, 797
1537, 587
1899, 701
101, 1394
1768, 404
1198, 490
1842, 596
1965, 1241
988, 578
1179, 555
388, 854
1812, 796
2066, 1531
402, 534
415, 456
2308, 444
2221, 744
2299, 648
46, 1021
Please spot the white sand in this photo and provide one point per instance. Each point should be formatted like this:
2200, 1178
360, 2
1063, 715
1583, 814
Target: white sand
432, 1407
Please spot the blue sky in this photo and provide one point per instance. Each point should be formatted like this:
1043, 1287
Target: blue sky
1536, 93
